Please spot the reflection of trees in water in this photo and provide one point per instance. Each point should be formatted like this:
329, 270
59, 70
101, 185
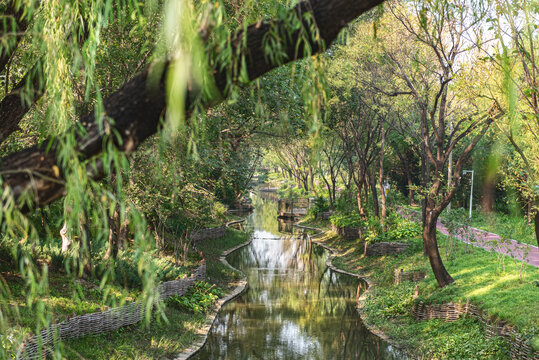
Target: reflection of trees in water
295, 308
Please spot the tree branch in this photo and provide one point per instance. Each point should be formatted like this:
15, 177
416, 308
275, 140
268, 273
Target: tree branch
138, 106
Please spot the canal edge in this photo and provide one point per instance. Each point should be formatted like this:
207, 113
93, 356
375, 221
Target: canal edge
237, 291
361, 300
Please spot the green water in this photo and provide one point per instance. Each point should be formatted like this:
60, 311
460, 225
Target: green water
295, 307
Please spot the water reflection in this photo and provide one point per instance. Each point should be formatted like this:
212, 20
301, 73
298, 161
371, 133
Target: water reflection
295, 308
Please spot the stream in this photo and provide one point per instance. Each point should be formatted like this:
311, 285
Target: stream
295, 306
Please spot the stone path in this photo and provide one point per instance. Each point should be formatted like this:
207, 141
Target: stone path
487, 241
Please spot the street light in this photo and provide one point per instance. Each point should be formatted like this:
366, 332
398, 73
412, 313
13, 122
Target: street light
471, 190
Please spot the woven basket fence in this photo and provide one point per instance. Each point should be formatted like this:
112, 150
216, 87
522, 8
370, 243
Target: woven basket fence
519, 347
36, 346
414, 275
208, 233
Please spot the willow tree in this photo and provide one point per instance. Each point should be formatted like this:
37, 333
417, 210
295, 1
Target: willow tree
512, 68
51, 66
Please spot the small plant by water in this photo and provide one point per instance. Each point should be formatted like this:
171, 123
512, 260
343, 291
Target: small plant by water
199, 299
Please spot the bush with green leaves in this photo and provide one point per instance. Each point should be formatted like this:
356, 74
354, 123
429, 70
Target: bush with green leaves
127, 273
199, 299
321, 204
396, 229
288, 190
347, 220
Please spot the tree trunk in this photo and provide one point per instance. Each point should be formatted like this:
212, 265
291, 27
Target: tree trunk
85, 248
381, 177
114, 222
374, 192
360, 207
431, 248
138, 106
66, 241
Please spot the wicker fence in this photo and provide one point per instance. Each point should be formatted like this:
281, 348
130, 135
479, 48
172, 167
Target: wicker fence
113, 319
347, 232
209, 233
95, 323
519, 347
401, 275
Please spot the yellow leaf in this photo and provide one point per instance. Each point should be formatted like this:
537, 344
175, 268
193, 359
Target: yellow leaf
56, 171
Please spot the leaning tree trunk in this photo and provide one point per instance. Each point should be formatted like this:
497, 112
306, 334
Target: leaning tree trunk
138, 106
431, 249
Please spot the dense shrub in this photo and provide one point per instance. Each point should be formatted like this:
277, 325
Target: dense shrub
321, 204
126, 271
199, 299
347, 220
397, 229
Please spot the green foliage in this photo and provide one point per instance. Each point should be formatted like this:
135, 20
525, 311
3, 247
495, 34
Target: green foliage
289, 190
396, 229
391, 303
200, 298
343, 202
388, 306
351, 220
464, 340
321, 204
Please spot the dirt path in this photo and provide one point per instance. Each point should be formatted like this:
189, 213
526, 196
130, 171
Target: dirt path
487, 241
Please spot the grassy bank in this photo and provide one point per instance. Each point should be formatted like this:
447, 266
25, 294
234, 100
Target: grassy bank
508, 292
507, 226
165, 335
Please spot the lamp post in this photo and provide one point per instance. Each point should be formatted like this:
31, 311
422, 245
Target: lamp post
471, 190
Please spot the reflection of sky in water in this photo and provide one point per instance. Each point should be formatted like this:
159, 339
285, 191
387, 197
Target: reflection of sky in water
295, 308
295, 339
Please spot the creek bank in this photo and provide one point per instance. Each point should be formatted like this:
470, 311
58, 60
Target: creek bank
238, 287
386, 307
368, 284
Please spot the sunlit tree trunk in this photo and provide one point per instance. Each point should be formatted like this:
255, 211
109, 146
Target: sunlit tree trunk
381, 177
66, 241
431, 248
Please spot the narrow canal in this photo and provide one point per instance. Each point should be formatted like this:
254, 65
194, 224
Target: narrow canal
295, 307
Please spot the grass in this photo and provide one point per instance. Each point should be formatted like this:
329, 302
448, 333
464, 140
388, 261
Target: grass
65, 296
508, 293
216, 272
508, 226
161, 338
158, 340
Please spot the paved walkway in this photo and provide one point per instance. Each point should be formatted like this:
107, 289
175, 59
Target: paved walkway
487, 240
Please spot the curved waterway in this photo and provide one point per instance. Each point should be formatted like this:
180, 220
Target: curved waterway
295, 307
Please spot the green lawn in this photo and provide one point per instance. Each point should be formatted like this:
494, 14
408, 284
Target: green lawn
161, 338
509, 293
509, 226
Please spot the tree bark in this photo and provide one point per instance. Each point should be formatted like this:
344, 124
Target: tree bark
114, 235
66, 241
374, 192
13, 108
18, 27
138, 106
431, 248
381, 177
